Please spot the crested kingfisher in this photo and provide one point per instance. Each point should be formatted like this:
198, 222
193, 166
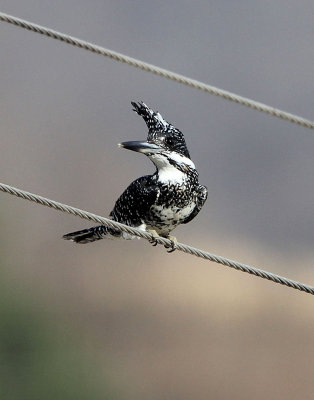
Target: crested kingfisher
160, 202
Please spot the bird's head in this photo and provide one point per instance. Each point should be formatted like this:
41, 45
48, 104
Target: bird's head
165, 144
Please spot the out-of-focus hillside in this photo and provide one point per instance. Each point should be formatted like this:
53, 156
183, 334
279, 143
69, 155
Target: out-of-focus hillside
41, 355
164, 325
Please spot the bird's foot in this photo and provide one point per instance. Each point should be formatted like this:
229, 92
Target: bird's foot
155, 235
174, 244
172, 247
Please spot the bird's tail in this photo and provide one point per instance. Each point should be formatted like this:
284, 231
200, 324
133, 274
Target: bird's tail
92, 234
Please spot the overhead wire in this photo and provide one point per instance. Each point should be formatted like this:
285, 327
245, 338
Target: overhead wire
157, 70
166, 242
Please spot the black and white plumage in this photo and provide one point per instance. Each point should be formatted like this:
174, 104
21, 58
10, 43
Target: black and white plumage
156, 203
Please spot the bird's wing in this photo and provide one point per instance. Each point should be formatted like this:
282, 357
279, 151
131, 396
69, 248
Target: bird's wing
135, 202
200, 200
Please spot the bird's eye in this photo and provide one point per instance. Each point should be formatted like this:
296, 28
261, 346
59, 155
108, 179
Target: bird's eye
169, 141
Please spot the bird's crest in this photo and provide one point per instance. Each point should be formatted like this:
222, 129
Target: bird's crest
160, 131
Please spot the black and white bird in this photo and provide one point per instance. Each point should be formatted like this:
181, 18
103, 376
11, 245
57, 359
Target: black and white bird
160, 202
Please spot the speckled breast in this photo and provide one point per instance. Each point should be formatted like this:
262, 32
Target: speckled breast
174, 204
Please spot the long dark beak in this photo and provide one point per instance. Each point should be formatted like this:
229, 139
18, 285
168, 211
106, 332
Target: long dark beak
141, 147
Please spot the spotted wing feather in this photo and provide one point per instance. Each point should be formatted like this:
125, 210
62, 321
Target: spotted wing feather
133, 205
200, 201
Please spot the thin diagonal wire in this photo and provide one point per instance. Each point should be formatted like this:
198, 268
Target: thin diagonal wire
157, 70
145, 235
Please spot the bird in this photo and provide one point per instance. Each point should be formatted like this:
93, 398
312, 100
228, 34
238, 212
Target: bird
155, 203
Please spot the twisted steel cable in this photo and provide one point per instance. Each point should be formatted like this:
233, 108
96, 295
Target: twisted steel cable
145, 235
157, 70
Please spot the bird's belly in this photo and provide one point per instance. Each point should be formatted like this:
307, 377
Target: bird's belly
165, 219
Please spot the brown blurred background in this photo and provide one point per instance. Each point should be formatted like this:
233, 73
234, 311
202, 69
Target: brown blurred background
123, 319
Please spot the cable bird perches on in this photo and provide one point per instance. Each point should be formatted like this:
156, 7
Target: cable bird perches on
160, 240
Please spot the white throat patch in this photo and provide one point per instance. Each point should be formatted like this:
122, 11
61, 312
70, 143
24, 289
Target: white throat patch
168, 173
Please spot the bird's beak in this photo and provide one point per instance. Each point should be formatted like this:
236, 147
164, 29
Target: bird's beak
141, 147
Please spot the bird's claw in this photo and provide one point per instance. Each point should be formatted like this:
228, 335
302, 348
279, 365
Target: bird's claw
174, 244
172, 247
153, 240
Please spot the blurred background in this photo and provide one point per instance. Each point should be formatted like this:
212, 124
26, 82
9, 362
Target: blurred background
125, 320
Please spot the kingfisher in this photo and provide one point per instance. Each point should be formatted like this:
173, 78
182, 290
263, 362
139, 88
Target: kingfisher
155, 203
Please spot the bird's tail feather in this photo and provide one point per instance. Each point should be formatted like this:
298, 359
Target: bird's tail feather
92, 234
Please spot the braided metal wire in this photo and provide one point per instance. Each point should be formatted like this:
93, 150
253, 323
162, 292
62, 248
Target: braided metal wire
157, 70
145, 235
